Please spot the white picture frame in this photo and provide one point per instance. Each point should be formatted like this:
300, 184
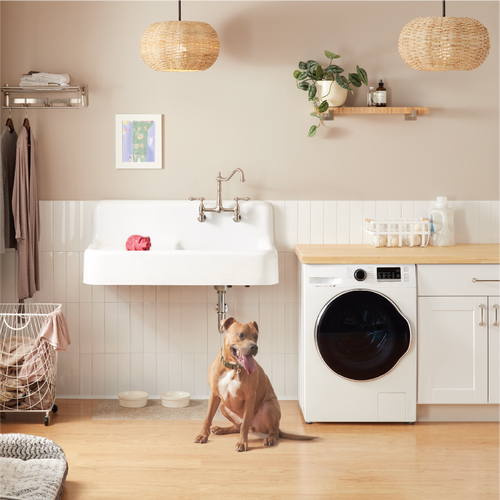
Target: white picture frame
138, 141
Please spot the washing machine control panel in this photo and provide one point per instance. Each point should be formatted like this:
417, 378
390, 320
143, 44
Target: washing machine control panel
388, 274
359, 275
382, 275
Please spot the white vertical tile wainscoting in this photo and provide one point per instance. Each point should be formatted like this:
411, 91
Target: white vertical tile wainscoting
164, 338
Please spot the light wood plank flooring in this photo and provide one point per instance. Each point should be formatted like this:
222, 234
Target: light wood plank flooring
158, 459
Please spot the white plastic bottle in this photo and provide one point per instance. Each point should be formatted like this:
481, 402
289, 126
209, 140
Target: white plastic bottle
442, 224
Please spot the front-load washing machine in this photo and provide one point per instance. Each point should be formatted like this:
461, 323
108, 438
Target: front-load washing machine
357, 343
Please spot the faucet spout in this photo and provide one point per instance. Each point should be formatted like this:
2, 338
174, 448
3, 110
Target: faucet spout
242, 175
220, 180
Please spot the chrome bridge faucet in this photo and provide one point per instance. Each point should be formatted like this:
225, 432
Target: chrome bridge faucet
218, 204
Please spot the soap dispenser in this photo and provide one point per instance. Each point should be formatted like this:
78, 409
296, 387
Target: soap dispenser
442, 224
380, 95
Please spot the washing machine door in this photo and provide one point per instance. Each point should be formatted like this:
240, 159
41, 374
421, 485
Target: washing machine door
362, 335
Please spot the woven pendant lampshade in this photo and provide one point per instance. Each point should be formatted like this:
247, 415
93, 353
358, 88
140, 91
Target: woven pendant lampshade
179, 45
444, 43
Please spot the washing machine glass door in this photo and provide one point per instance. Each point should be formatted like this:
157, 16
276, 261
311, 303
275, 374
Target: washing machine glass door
362, 335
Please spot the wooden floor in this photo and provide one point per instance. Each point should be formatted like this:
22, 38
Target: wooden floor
158, 460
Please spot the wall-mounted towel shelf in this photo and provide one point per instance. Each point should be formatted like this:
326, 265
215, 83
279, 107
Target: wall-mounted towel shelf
410, 112
52, 102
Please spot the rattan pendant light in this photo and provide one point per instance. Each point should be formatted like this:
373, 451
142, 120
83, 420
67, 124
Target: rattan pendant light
179, 45
444, 43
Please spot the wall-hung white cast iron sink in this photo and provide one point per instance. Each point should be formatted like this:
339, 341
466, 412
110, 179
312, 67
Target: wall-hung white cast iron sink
183, 251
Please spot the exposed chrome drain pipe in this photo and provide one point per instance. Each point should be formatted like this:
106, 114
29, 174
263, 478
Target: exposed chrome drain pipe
221, 306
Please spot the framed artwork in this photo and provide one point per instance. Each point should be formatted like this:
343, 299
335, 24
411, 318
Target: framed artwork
138, 141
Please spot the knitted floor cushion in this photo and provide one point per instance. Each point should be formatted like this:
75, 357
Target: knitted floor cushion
31, 468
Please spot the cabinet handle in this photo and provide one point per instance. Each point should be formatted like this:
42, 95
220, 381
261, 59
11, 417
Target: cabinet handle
474, 280
482, 306
495, 306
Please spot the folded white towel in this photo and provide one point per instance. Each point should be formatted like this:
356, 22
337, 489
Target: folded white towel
47, 77
41, 84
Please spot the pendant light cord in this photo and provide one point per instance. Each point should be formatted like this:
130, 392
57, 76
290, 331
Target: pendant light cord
179, 10
444, 8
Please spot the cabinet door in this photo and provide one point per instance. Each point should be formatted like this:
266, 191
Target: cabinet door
452, 350
494, 349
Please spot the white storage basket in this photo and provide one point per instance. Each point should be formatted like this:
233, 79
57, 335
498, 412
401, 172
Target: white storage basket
20, 325
398, 232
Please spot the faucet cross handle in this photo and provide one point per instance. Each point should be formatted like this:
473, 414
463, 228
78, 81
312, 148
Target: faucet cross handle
201, 212
236, 210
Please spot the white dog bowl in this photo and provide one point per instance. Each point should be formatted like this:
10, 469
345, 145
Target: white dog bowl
175, 399
133, 399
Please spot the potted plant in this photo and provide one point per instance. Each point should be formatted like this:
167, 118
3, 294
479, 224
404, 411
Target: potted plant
326, 87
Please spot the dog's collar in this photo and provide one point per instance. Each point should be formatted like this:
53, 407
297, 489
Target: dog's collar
227, 364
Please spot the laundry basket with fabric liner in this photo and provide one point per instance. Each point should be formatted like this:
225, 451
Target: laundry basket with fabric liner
30, 336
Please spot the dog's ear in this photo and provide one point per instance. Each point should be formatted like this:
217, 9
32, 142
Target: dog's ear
226, 323
254, 323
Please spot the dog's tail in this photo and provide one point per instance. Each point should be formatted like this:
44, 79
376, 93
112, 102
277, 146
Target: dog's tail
298, 437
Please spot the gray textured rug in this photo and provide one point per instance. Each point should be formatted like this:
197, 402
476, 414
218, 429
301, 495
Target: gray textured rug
110, 409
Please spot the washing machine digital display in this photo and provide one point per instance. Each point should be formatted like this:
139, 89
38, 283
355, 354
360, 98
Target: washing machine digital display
388, 274
362, 335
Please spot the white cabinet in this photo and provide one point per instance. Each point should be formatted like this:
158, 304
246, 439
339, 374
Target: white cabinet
458, 334
494, 349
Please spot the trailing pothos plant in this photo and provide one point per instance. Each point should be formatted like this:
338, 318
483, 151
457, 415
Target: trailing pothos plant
311, 72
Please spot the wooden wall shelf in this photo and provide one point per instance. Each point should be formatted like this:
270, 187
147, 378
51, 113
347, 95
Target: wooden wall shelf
410, 112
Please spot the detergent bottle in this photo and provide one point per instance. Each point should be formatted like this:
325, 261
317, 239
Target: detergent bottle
442, 224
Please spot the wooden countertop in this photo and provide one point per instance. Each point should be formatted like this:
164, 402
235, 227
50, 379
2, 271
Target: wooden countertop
367, 254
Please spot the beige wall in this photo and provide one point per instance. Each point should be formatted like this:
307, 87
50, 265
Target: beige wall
246, 112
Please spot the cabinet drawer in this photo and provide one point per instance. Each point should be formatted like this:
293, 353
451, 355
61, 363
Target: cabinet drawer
456, 279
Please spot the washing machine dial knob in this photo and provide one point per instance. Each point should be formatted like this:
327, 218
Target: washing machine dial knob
360, 275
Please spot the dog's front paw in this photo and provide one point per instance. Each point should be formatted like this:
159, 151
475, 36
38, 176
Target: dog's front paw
241, 447
202, 438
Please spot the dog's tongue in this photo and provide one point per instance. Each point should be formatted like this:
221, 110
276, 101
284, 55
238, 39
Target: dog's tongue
249, 364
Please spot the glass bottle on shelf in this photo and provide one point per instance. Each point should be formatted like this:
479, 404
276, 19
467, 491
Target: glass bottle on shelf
369, 97
380, 95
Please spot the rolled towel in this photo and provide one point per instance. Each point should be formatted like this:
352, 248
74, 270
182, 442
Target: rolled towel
42, 84
47, 77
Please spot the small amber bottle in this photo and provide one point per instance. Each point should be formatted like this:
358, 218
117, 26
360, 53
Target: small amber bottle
380, 97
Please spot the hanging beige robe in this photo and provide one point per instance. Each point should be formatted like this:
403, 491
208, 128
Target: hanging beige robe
26, 216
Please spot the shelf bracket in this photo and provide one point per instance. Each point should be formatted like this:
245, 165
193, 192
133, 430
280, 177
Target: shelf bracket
411, 117
328, 116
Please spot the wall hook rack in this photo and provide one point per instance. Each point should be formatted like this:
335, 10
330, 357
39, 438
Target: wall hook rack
9, 101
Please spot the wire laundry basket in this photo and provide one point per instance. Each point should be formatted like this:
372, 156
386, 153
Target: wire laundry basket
27, 367
398, 232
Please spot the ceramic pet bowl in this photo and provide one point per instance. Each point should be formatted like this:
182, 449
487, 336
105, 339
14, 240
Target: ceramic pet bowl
175, 399
133, 399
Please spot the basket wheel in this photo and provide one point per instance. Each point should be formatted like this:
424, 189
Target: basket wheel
55, 408
47, 419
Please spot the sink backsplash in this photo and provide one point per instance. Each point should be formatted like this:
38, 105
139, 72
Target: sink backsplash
159, 338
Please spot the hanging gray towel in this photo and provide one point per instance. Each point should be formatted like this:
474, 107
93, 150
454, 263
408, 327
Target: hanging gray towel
26, 215
8, 146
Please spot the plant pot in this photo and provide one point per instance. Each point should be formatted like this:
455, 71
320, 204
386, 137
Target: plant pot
332, 92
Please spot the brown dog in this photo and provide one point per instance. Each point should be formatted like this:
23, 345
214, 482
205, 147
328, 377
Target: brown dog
242, 389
